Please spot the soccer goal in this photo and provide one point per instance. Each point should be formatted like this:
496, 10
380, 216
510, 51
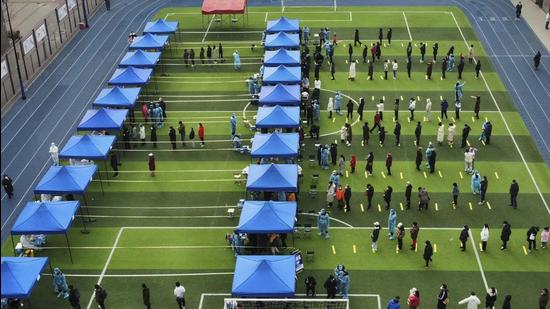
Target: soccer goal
278, 303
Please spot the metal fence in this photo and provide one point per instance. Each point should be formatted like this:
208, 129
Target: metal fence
37, 48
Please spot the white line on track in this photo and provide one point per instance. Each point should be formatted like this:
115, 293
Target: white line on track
407, 24
163, 181
146, 275
157, 207
179, 171
204, 82
202, 100
473, 242
207, 29
156, 217
180, 150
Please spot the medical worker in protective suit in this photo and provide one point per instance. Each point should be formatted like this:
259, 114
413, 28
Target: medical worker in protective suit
60, 286
344, 284
236, 60
392, 222
233, 122
338, 103
476, 183
323, 223
324, 157
54, 153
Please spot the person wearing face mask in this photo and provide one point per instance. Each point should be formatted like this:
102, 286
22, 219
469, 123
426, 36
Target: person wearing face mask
443, 297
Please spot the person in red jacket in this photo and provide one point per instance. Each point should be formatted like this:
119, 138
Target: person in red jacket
377, 119
201, 134
353, 163
152, 165
414, 299
389, 161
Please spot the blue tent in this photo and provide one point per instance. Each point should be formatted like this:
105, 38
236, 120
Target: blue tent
102, 119
161, 26
282, 40
264, 276
272, 177
280, 95
140, 59
117, 97
281, 56
20, 274
91, 147
282, 74
276, 145
278, 117
267, 217
63, 180
149, 41
130, 76
283, 24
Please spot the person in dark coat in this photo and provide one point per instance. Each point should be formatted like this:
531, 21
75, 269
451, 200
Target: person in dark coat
387, 196
100, 296
356, 38
209, 54
488, 131
310, 286
181, 131
536, 60
366, 134
428, 253
347, 198
507, 304
154, 135
414, 230
332, 70
7, 183
371, 71
465, 132
397, 133
409, 67
114, 163
316, 70
333, 153
378, 51
186, 57
331, 285
477, 106
431, 161
418, 133
443, 297
74, 297
408, 194
349, 107
443, 67
543, 299
464, 235
370, 163
172, 135
478, 68
220, 52
532, 237
409, 50
444, 108
505, 234
389, 35
201, 55
380, 36
422, 51
519, 7
460, 67
381, 136
365, 53
389, 162
126, 137
350, 53
429, 70
369, 193
192, 57
514, 191
108, 5
435, 50
491, 298
146, 296
418, 158
484, 185
360, 108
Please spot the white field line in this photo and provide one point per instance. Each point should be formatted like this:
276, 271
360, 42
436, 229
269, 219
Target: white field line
145, 275
178, 171
157, 217
207, 64
204, 82
233, 227
377, 296
506, 124
157, 207
474, 245
165, 181
202, 96
407, 23
331, 218
106, 265
221, 32
207, 29
198, 149
201, 100
144, 247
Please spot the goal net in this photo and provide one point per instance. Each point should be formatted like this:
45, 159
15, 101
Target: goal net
291, 303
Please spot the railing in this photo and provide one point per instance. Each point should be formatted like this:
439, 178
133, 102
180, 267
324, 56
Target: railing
37, 48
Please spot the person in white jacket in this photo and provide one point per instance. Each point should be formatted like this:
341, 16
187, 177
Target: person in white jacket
380, 109
142, 135
330, 107
54, 153
472, 301
428, 108
440, 133
484, 237
451, 134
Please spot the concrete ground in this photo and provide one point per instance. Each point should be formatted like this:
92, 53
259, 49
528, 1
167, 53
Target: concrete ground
26, 14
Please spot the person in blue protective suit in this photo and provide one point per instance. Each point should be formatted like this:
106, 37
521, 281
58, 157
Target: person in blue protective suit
338, 103
429, 151
316, 111
236, 60
335, 178
458, 91
233, 123
305, 34
392, 222
60, 286
344, 284
323, 222
476, 183
394, 303
451, 63
158, 113
251, 85
324, 157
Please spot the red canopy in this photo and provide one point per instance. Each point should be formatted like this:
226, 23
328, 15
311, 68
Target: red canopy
210, 7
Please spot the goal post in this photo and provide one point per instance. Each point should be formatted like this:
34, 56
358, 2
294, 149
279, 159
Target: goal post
285, 303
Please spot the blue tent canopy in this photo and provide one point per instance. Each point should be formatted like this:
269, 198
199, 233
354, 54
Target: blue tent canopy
130, 76
276, 145
282, 74
66, 180
149, 41
45, 218
282, 40
20, 274
283, 24
102, 119
117, 97
280, 95
278, 117
91, 147
267, 217
272, 177
161, 26
282, 56
140, 58
264, 276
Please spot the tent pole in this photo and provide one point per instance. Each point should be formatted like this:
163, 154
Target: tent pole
101, 183
13, 244
90, 219
83, 231
106, 171
69, 246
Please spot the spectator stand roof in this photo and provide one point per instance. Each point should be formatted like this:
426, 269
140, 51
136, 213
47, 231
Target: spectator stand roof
272, 178
280, 95
46, 218
149, 41
20, 275
130, 76
264, 276
275, 145
140, 59
267, 217
117, 97
281, 57
283, 24
102, 119
161, 26
278, 117
282, 74
282, 40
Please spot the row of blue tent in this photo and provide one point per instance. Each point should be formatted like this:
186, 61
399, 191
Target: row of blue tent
20, 274
263, 275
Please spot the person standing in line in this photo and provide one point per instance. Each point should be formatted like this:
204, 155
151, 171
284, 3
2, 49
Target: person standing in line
428, 253
74, 297
386, 69
418, 160
464, 235
443, 67
491, 298
377, 119
100, 296
387, 196
172, 135
400, 235
349, 108
409, 50
514, 191
543, 299
505, 234
536, 60
154, 135
412, 108
544, 235
201, 55
478, 68
443, 297
394, 303
323, 223
192, 57
347, 198
145, 294
310, 286
369, 193
471, 301
415, 229
418, 133
484, 236
380, 35
220, 53
332, 70
409, 68
152, 164
440, 133
360, 108
477, 105
7, 183
465, 132
392, 223
395, 66
181, 131
331, 286
350, 53
507, 304
374, 236
532, 237
114, 163
484, 184
370, 163
396, 109
389, 162
201, 134
429, 70
444, 108
366, 134
236, 60
380, 109
353, 163
435, 49
458, 107
370, 72
414, 299
390, 34
142, 135
356, 38
179, 293
408, 194
471, 54
422, 51
397, 133
456, 192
